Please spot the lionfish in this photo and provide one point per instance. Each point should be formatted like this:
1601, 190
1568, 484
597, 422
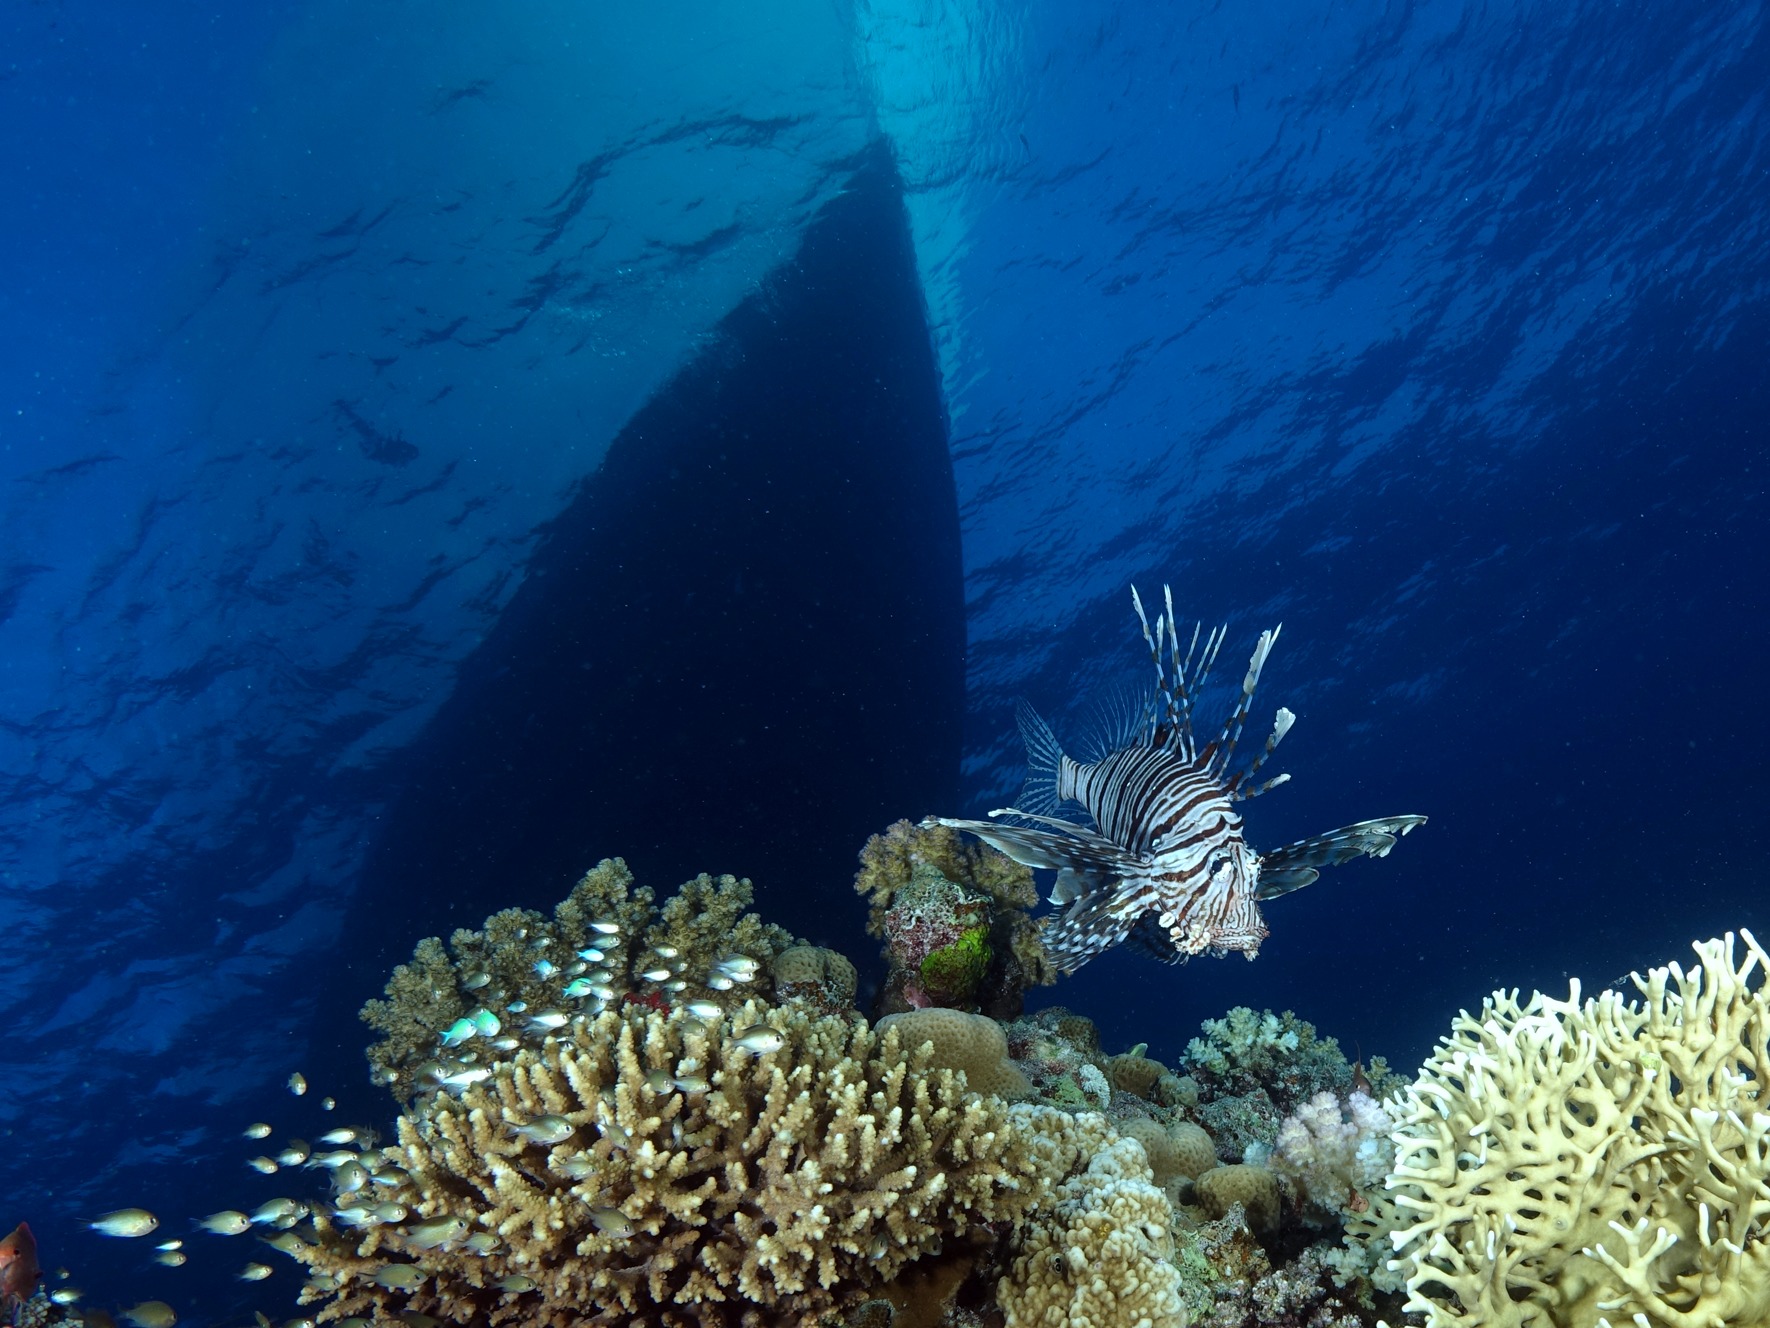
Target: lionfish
1164, 865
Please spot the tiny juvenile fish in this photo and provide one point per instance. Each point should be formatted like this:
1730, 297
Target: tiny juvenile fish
480, 1242
606, 927
275, 1210
295, 1153
126, 1222
170, 1258
66, 1295
226, 1223
486, 1022
266, 1165
475, 980
545, 969
257, 1131
298, 1083
400, 1277
458, 1032
657, 975
547, 1130
612, 1222
255, 1272
151, 1314
760, 1039
516, 1284
706, 1010
548, 1020
437, 1232
170, 1245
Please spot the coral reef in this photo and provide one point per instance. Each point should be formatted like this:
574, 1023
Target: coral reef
1100, 1257
1334, 1151
969, 1043
1253, 1187
953, 916
658, 1170
605, 945
1566, 1163
821, 978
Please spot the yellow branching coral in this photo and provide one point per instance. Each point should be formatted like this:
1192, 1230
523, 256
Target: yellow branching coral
605, 944
889, 860
1568, 1163
1099, 1257
766, 1169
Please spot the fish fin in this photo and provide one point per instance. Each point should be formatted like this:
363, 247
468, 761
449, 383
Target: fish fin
1044, 759
1296, 865
1222, 751
1090, 926
1063, 846
1148, 937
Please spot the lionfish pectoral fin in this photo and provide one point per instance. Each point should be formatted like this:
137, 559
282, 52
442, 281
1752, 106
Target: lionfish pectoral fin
1066, 845
1151, 939
1089, 927
1296, 865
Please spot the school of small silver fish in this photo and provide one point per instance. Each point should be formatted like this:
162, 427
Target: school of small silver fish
363, 1178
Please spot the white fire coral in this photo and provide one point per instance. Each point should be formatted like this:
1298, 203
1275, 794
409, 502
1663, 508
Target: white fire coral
1571, 1164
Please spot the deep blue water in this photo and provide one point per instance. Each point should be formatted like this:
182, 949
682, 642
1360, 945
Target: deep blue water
441, 447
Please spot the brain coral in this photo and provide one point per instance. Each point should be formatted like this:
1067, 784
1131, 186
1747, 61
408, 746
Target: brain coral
1562, 1163
681, 1179
1254, 1188
973, 1043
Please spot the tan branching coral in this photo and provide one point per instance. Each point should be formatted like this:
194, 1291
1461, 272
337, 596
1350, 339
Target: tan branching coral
654, 956
766, 1169
1561, 1164
1099, 1257
888, 861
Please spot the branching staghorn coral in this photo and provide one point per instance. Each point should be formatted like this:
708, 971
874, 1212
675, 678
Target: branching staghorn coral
605, 935
766, 1169
1561, 1164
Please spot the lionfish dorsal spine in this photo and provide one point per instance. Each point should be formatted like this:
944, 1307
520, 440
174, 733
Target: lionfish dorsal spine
1281, 725
1224, 748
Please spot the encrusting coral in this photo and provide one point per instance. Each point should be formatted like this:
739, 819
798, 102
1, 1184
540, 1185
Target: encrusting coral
605, 945
658, 1170
1568, 1163
1100, 1256
954, 917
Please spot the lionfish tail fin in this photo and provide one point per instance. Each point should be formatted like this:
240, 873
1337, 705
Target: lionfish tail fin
1296, 865
1044, 761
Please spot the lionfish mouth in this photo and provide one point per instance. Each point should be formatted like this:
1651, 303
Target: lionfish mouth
1159, 859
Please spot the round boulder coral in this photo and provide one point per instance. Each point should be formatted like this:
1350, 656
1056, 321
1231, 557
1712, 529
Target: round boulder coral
1134, 1073
1254, 1188
973, 1043
821, 978
1194, 1153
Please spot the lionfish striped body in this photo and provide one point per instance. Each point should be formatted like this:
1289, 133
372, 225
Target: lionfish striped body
1164, 864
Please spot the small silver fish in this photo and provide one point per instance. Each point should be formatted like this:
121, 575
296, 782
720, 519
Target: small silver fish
170, 1245
255, 1272
659, 1081
516, 1284
286, 1242
760, 1039
516, 1007
334, 1159
275, 1210
400, 1277
295, 1153
466, 1077
666, 952
226, 1223
437, 1232
578, 988
390, 1212
657, 975
151, 1314
257, 1131
390, 1176
545, 969
580, 1166
612, 1222
344, 1134
606, 927
126, 1222
326, 1104
356, 1215
506, 1043
548, 1020
705, 1010
475, 980
603, 991
719, 982
486, 1022
171, 1258
548, 1130
266, 1165
458, 1032
298, 1083
480, 1242
692, 1083
591, 955
66, 1295
676, 984
350, 1177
